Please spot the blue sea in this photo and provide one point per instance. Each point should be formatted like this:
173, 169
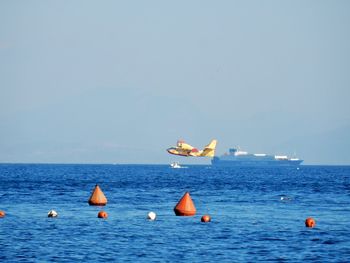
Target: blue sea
258, 214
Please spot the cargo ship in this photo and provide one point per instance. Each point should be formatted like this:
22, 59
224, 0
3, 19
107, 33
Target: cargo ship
236, 157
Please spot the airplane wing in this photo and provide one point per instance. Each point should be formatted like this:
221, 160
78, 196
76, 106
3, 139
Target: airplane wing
184, 146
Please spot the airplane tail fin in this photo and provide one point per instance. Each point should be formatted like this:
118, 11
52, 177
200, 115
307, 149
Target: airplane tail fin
209, 150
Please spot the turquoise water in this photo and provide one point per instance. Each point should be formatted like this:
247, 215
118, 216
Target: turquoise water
257, 214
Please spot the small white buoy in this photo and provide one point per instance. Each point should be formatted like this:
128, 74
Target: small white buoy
52, 213
286, 198
151, 216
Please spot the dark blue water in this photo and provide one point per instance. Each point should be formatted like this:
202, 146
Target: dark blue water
257, 214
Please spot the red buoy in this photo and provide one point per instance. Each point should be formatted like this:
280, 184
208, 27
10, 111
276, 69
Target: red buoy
97, 197
102, 214
310, 222
2, 213
205, 219
185, 207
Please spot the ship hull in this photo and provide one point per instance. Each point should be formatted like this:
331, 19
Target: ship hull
216, 161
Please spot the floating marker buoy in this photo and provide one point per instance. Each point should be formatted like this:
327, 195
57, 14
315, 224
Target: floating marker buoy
97, 197
310, 222
52, 213
185, 207
151, 216
286, 198
205, 219
102, 214
2, 213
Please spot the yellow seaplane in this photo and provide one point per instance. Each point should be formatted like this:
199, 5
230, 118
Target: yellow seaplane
185, 149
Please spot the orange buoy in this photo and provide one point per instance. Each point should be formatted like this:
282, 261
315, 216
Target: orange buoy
2, 213
102, 214
97, 197
310, 222
206, 218
185, 207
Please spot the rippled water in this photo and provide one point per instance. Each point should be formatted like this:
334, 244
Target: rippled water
257, 214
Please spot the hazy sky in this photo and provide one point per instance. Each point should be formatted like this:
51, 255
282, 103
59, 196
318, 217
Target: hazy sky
121, 81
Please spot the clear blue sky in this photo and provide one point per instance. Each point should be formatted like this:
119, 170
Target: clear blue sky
121, 81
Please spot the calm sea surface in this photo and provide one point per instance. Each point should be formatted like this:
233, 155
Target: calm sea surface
257, 214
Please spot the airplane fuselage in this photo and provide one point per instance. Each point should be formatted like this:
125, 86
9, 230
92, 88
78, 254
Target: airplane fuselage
184, 149
177, 152
181, 152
